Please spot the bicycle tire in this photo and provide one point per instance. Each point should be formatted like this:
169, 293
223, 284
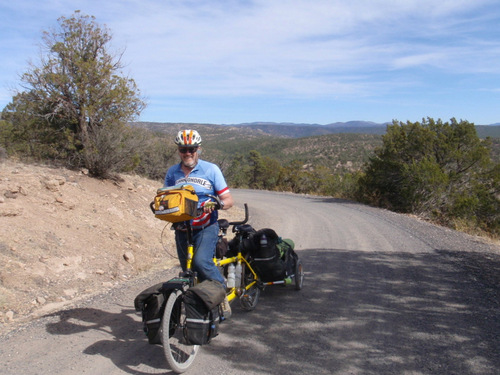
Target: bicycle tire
299, 275
179, 354
250, 297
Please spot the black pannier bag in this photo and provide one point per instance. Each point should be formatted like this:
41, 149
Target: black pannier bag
203, 311
151, 302
266, 257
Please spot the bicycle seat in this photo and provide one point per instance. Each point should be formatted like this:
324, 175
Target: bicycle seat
245, 228
223, 223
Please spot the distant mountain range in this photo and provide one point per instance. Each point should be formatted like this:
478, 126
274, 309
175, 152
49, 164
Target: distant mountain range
299, 130
349, 124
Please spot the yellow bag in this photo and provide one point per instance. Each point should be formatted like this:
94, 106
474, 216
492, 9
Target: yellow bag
175, 203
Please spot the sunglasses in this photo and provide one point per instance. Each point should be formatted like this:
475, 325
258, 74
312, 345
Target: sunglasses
186, 150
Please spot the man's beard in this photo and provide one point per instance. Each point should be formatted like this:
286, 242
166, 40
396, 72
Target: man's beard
191, 164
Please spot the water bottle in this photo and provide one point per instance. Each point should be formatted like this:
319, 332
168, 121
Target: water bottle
230, 276
237, 277
263, 240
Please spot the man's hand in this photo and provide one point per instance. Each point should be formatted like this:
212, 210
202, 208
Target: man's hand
209, 207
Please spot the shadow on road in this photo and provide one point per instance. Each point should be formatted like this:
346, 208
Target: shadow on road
123, 341
358, 313
372, 313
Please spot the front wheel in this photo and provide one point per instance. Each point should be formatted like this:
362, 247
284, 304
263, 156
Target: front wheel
179, 354
250, 296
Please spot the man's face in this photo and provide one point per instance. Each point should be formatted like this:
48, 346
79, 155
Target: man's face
189, 156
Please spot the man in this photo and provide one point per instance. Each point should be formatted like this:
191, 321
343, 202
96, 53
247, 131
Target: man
206, 178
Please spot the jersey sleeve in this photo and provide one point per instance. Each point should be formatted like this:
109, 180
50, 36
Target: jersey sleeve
220, 184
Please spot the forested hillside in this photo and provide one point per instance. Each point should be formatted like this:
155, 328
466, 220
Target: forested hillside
340, 147
341, 152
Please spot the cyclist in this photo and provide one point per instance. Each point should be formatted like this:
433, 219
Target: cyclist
206, 178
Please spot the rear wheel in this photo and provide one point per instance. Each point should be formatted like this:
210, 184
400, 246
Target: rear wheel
250, 296
299, 275
180, 355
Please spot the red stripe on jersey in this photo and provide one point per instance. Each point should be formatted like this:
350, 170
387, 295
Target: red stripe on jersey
223, 191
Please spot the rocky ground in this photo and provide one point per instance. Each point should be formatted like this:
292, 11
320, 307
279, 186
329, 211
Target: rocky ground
65, 236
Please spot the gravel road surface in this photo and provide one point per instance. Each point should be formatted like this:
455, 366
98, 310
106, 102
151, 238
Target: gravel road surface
383, 294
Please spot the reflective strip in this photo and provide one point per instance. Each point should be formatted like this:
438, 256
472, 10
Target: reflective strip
153, 321
192, 320
169, 211
264, 259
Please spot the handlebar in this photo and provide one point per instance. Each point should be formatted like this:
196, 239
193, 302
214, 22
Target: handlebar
237, 223
217, 205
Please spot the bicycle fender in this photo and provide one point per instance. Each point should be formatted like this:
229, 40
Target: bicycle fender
162, 288
177, 283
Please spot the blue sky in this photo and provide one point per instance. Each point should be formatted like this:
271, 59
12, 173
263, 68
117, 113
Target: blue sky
301, 61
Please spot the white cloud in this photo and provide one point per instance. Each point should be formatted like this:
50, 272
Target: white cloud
288, 48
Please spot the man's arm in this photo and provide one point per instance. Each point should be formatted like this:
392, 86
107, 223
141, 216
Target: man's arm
227, 200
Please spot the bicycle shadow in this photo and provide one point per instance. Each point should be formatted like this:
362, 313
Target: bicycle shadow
124, 343
373, 313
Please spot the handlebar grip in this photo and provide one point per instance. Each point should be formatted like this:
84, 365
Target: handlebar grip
216, 205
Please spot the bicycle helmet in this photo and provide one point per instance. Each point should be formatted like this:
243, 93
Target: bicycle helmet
188, 138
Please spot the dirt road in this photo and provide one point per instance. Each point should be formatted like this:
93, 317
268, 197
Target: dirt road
383, 294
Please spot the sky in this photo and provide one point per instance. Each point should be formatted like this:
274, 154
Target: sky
298, 61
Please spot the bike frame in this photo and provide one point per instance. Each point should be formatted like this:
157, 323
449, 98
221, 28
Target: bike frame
236, 291
239, 258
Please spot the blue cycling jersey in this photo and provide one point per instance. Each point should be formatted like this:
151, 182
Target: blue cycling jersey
206, 178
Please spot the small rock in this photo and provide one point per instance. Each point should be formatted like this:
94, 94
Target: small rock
10, 194
9, 315
52, 185
99, 272
41, 300
22, 191
129, 257
70, 292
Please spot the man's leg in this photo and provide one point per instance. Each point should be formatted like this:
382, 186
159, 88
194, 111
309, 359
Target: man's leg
205, 242
181, 244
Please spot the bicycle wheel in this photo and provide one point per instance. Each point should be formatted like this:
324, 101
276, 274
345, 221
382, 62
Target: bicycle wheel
179, 354
299, 275
250, 297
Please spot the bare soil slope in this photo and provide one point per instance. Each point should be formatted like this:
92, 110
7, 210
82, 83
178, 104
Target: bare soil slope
64, 236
